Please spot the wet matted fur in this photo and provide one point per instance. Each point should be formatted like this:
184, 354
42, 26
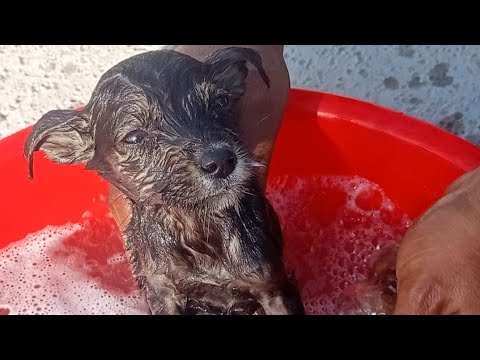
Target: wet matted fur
201, 240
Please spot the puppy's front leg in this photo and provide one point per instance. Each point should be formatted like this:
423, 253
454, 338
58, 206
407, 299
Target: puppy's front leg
275, 306
282, 303
162, 296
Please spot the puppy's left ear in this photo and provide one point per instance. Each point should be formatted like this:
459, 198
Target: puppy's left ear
64, 135
229, 67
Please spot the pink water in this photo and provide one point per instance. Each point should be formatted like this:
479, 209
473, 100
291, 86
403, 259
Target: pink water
73, 269
82, 268
337, 231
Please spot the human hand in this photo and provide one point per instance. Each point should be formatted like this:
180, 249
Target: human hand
438, 265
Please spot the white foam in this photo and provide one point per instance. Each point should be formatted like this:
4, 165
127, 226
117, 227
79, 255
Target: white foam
328, 258
40, 275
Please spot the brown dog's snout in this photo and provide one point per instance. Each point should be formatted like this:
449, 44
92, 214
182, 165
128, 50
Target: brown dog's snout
219, 163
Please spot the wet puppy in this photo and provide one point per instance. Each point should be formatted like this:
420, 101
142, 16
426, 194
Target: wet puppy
161, 127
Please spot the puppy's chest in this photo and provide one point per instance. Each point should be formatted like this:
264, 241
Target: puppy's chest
187, 249
217, 253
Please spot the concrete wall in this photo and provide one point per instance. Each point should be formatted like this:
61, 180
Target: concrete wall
37, 78
436, 83
440, 84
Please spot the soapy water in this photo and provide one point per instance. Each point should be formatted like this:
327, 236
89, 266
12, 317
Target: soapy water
337, 231
73, 269
82, 268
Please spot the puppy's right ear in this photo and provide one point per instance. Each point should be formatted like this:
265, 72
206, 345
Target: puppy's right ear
65, 137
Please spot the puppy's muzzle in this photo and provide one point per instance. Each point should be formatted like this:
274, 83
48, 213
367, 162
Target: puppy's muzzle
219, 163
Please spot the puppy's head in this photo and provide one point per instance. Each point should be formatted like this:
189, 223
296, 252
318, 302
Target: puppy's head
160, 126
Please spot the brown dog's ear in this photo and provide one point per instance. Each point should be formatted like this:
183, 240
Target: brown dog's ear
64, 135
229, 67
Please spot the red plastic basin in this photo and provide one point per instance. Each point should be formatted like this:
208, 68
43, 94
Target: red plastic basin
411, 160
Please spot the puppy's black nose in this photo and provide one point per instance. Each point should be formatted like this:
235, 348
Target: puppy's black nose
219, 162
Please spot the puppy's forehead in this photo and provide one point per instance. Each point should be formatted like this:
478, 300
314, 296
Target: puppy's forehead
163, 74
117, 100
159, 70
145, 87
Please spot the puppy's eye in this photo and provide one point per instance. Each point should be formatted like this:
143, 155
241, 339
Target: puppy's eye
135, 137
222, 101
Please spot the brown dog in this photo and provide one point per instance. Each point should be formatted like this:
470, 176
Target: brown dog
162, 128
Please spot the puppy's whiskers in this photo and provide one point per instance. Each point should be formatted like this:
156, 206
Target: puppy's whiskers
129, 215
264, 118
256, 164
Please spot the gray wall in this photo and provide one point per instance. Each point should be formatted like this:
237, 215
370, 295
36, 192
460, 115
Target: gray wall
435, 83
37, 78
